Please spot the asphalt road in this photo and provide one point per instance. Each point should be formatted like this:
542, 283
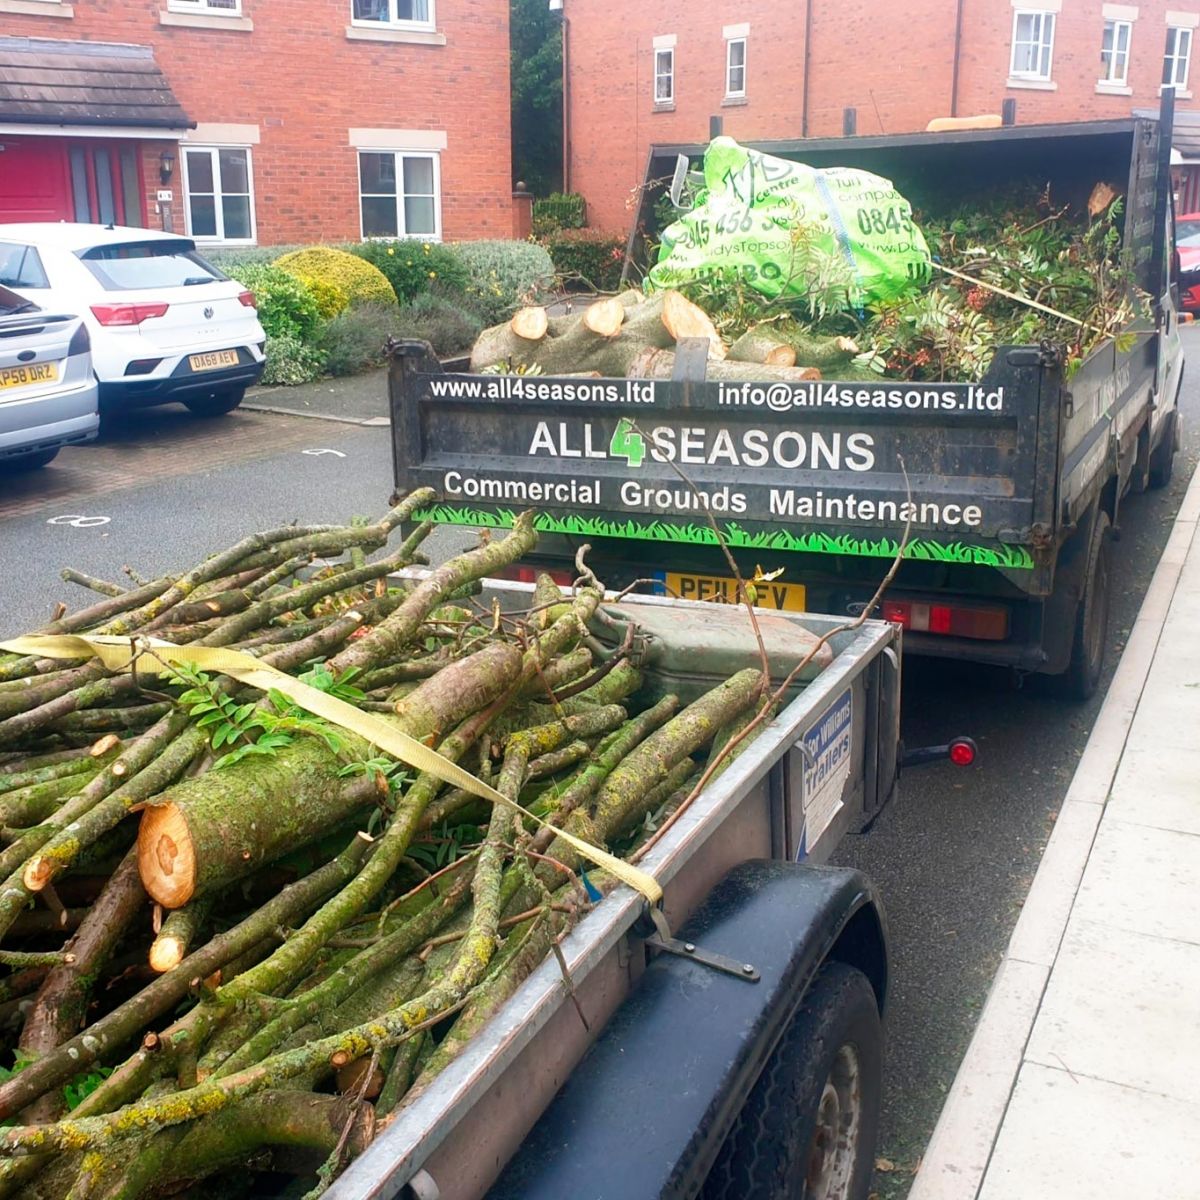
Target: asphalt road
955, 856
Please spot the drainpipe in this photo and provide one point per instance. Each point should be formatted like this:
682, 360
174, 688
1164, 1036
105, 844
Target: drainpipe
808, 24
958, 32
566, 112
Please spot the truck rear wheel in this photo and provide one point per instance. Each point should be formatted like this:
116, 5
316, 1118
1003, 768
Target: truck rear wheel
1082, 676
807, 1131
1162, 457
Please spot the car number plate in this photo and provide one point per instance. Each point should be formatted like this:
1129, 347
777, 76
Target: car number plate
789, 597
34, 373
213, 360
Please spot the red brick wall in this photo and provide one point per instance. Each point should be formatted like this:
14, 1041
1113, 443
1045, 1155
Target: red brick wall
891, 60
299, 77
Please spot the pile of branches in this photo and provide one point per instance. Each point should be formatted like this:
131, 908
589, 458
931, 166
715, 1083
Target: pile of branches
235, 938
995, 261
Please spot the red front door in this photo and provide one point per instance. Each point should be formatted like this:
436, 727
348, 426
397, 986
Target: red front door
35, 180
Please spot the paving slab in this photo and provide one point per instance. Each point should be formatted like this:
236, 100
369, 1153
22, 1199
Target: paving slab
1074, 1138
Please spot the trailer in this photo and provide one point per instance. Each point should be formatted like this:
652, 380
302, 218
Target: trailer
645, 1063
1015, 483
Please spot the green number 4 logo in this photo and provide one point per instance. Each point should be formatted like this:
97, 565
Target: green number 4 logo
627, 443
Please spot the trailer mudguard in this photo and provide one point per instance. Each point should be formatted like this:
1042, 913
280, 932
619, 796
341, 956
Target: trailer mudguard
646, 1111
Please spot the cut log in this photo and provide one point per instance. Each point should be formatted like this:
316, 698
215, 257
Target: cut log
763, 348
530, 324
605, 317
684, 319
660, 364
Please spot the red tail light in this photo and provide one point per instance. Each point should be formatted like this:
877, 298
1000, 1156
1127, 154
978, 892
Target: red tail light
247, 298
954, 620
962, 752
127, 314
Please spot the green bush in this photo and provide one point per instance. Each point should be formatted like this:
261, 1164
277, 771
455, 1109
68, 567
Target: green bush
330, 298
504, 275
353, 341
558, 211
413, 267
588, 258
286, 308
447, 326
362, 283
229, 258
291, 361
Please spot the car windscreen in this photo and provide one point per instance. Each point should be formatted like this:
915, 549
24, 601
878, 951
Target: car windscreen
21, 266
136, 266
1187, 233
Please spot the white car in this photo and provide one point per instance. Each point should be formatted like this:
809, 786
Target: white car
47, 389
165, 325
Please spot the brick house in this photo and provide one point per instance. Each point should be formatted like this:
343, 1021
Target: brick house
248, 121
653, 74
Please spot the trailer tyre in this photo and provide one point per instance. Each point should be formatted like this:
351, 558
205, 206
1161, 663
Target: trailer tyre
807, 1130
1082, 676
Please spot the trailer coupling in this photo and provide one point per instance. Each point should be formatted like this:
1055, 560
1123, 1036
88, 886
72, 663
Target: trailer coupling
961, 751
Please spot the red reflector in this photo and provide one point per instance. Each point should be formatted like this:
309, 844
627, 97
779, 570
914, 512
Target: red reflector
522, 574
962, 754
127, 314
247, 298
982, 624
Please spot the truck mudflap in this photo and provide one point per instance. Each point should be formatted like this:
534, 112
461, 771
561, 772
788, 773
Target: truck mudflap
649, 1107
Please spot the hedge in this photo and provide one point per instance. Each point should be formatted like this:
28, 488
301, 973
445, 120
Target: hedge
361, 282
588, 258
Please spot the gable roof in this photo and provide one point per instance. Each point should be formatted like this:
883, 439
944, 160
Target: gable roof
46, 81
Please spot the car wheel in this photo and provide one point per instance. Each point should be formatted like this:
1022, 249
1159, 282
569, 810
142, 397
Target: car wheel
808, 1129
31, 462
216, 405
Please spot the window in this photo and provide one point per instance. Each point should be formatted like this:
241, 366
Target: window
163, 262
220, 198
221, 8
1114, 52
1177, 58
735, 67
404, 13
21, 266
399, 194
664, 76
1032, 45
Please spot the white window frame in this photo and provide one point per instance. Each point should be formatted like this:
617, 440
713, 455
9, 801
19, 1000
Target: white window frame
205, 8
1178, 33
392, 21
669, 53
401, 233
730, 92
1047, 45
1110, 75
213, 150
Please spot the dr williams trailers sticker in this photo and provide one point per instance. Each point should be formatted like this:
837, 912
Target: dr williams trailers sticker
826, 750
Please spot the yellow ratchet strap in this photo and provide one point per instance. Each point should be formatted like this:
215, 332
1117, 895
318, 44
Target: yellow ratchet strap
153, 656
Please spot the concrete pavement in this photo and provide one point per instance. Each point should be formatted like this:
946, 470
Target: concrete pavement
1083, 1076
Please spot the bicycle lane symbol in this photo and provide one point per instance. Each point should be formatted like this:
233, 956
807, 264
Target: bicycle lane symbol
78, 521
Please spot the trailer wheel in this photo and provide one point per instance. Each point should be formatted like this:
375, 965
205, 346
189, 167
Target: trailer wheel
1082, 676
807, 1131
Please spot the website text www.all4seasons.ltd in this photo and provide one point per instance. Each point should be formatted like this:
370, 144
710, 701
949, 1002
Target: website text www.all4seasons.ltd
775, 397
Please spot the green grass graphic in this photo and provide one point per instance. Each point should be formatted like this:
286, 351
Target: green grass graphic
816, 542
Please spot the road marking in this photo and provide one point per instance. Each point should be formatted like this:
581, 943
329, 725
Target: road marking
76, 521
314, 453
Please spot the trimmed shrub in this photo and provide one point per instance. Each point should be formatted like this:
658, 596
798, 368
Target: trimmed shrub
330, 298
504, 275
559, 211
353, 340
588, 258
362, 283
414, 267
447, 326
286, 308
291, 361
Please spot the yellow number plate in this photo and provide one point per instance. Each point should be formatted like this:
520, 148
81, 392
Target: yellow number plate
213, 360
787, 596
34, 373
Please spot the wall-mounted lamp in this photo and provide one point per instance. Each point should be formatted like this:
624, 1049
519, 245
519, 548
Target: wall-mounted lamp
166, 164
